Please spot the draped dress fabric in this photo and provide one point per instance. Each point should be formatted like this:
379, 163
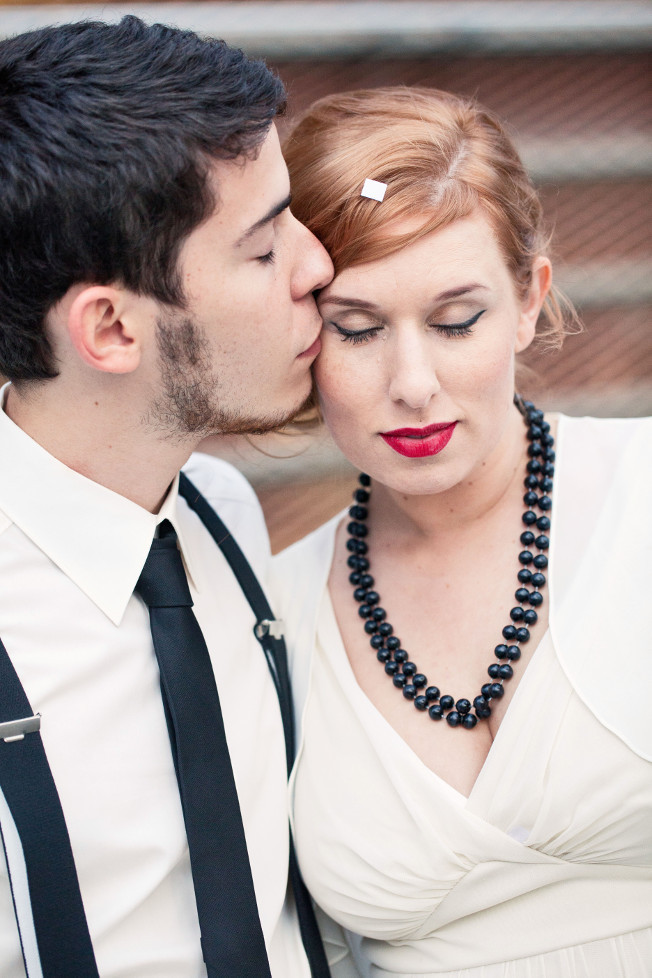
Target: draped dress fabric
545, 870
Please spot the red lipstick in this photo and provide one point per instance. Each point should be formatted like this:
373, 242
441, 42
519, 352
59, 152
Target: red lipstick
420, 442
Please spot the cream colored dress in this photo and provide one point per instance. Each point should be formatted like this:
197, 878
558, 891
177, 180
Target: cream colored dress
545, 871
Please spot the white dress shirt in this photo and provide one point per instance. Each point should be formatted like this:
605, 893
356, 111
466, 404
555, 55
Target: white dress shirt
71, 552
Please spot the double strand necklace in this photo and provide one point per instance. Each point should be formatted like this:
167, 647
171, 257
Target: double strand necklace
387, 646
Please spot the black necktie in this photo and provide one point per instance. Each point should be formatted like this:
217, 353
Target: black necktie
232, 939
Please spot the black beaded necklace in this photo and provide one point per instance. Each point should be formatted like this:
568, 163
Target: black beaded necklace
405, 675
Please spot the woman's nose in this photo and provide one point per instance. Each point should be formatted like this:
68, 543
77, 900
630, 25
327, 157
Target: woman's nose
413, 374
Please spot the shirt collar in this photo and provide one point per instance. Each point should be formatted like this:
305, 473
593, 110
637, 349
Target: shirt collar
97, 537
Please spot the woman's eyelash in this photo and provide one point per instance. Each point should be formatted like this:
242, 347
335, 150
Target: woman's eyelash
356, 336
448, 329
267, 259
458, 329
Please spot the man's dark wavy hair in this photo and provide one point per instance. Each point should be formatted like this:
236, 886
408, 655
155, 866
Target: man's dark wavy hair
107, 135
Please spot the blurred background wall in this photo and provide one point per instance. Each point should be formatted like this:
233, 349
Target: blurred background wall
571, 78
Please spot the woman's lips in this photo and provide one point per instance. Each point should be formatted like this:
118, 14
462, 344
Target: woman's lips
420, 442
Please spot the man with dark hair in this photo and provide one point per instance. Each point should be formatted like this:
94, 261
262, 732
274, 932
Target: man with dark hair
154, 289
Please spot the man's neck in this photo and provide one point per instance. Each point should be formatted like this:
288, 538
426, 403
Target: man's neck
103, 438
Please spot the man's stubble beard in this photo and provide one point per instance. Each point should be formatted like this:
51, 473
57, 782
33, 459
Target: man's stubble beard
189, 401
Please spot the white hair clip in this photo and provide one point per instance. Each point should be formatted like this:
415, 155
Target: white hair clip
373, 189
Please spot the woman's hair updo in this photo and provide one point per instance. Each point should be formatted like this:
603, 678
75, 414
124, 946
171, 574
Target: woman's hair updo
441, 156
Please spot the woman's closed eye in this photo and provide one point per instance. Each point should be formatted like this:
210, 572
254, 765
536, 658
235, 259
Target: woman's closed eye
458, 329
448, 329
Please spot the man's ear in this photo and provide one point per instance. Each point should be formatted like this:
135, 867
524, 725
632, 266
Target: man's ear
104, 329
539, 288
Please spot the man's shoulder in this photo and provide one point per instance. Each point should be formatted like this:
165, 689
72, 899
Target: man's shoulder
219, 480
234, 500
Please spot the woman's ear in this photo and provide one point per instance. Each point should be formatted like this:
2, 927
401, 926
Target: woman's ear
539, 288
103, 326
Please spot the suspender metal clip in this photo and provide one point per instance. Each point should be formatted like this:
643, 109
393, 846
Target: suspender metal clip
269, 626
16, 729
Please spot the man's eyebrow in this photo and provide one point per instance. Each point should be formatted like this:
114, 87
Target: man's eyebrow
269, 216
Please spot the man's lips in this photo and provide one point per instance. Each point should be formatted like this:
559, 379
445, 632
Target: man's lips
420, 442
312, 350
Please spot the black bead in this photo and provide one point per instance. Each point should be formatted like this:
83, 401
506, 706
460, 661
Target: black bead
419, 680
543, 524
391, 668
376, 641
469, 721
545, 427
378, 614
486, 690
534, 432
542, 541
399, 679
385, 629
501, 651
517, 614
538, 580
480, 702
352, 561
529, 517
525, 557
497, 690
550, 455
358, 512
513, 653
527, 538
409, 691
357, 529
540, 561
372, 597
545, 484
364, 479
533, 466
366, 580
545, 502
383, 655
521, 594
535, 598
354, 577
535, 448
420, 702
505, 671
524, 576
393, 642
363, 563
549, 469
494, 670
436, 712
509, 632
360, 594
400, 655
522, 635
483, 712
530, 482
432, 693
463, 706
534, 415
453, 718
409, 669
530, 498
361, 496
370, 626
530, 617
364, 610
446, 702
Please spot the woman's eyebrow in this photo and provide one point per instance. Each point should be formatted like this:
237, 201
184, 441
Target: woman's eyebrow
340, 300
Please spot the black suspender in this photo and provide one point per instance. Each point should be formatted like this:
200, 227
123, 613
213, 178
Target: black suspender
59, 921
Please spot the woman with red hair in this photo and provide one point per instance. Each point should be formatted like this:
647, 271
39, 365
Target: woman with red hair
473, 791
